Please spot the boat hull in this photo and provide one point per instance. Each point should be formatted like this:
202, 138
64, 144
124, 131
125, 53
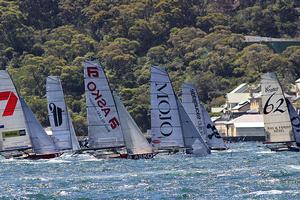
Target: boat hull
42, 156
138, 156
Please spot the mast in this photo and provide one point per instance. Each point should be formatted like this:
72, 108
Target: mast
278, 127
166, 128
13, 130
41, 142
60, 121
135, 142
103, 121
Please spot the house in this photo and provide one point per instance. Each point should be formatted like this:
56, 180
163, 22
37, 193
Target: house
246, 127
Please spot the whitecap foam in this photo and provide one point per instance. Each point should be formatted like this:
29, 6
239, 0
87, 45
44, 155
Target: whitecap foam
265, 152
273, 192
295, 167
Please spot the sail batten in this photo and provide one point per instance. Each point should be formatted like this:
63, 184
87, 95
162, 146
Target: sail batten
166, 129
61, 123
13, 131
277, 121
104, 129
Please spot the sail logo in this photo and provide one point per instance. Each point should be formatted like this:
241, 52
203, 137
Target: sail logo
164, 108
214, 131
195, 102
269, 89
12, 100
93, 72
57, 114
98, 97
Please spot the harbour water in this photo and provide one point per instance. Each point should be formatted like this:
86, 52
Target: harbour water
246, 171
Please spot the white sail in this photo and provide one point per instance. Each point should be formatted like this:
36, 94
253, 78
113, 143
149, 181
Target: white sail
63, 131
13, 131
103, 122
74, 140
277, 122
295, 120
41, 142
192, 139
134, 140
191, 104
200, 117
166, 129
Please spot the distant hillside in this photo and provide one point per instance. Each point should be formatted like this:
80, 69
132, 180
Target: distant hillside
198, 41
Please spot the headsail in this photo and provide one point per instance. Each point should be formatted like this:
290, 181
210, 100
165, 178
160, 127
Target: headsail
41, 142
192, 139
134, 140
277, 121
13, 131
200, 117
103, 122
295, 120
166, 129
62, 127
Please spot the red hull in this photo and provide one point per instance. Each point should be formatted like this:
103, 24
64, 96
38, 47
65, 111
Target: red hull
42, 156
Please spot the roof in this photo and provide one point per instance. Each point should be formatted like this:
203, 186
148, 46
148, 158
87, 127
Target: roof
247, 121
216, 109
238, 97
241, 88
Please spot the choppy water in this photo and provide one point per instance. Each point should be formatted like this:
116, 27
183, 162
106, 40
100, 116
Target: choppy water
246, 171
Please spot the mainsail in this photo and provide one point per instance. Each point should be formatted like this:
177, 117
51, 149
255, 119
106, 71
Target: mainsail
41, 142
166, 128
134, 140
61, 123
192, 139
103, 122
278, 127
13, 131
200, 117
295, 120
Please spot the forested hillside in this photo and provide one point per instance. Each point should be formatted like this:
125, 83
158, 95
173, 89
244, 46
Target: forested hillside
198, 41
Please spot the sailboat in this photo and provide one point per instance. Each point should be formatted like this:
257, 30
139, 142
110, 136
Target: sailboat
295, 120
136, 144
63, 131
201, 118
110, 124
277, 121
104, 130
14, 137
171, 128
42, 145
20, 130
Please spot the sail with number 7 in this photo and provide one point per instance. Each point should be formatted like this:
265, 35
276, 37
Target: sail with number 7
13, 131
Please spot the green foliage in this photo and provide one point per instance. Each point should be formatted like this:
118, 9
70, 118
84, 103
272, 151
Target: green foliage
197, 41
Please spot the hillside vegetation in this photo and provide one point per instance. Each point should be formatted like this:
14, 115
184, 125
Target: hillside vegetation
198, 41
